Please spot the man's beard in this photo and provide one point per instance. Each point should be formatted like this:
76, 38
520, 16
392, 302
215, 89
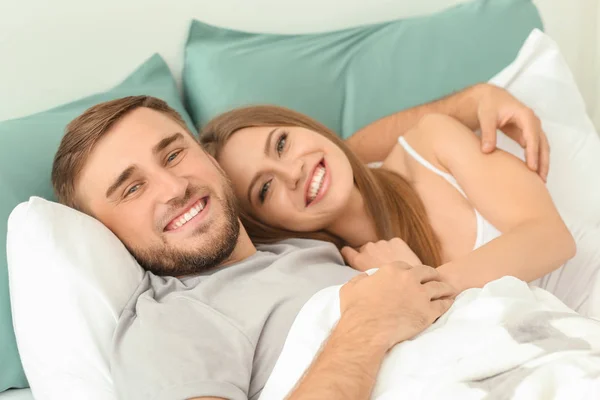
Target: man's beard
168, 261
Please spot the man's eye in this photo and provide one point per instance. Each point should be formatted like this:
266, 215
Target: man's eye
133, 189
280, 145
263, 192
172, 156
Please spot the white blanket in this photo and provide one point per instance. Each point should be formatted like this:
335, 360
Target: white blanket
505, 341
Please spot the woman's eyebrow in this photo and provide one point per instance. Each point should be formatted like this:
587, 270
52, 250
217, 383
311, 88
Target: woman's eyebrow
268, 141
255, 178
251, 186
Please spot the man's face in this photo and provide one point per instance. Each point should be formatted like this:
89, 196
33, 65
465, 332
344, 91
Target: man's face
151, 183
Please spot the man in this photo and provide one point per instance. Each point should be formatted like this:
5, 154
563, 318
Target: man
212, 313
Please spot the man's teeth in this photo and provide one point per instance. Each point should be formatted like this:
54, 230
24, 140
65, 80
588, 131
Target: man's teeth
190, 214
316, 183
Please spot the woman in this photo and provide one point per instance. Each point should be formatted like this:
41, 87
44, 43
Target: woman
476, 217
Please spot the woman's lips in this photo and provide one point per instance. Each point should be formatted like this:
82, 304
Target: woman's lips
324, 183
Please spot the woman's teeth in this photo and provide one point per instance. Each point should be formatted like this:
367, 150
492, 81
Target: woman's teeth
190, 214
317, 182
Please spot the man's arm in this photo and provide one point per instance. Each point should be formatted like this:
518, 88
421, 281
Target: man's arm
482, 106
347, 367
378, 311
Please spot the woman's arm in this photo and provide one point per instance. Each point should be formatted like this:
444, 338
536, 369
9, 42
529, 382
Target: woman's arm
482, 106
535, 240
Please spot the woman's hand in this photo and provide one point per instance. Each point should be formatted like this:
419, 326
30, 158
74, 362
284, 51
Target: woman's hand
374, 255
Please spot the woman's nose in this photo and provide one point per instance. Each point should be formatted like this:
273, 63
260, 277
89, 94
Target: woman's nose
292, 173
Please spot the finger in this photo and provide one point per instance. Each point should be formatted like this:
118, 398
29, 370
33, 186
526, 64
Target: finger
529, 124
425, 274
362, 262
438, 290
365, 247
488, 122
544, 157
442, 305
349, 254
515, 133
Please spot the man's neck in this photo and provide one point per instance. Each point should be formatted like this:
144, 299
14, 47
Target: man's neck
244, 248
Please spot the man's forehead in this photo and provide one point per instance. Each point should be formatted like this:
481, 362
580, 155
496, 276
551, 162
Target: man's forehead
144, 126
130, 141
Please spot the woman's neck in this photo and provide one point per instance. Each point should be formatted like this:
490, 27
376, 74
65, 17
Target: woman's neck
354, 225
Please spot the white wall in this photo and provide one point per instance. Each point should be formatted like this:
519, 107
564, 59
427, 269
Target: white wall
52, 52
575, 25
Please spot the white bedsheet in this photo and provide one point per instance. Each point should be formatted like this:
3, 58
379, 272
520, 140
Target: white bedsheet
506, 340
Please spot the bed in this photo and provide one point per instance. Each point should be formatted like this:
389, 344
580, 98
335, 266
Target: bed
66, 49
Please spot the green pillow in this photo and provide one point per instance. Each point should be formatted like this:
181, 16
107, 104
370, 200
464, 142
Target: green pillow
27, 147
350, 78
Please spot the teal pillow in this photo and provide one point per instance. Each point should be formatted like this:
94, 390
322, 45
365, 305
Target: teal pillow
27, 147
350, 78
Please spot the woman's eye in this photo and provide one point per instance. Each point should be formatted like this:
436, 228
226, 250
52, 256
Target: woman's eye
281, 143
172, 156
263, 192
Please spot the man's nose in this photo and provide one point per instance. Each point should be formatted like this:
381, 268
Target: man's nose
171, 186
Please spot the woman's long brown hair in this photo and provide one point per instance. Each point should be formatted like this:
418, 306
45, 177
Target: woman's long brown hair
390, 199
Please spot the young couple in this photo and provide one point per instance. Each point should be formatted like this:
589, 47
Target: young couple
212, 313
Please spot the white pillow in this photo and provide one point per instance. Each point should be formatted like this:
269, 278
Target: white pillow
540, 78
70, 278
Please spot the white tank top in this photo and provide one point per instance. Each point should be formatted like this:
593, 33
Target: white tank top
486, 232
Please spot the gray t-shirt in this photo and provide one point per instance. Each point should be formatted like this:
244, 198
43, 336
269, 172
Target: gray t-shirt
218, 334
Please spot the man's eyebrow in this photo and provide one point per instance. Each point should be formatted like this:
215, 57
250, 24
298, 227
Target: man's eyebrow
123, 177
255, 178
164, 143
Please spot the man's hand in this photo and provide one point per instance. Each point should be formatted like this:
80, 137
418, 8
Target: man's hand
482, 106
498, 109
378, 311
372, 255
396, 303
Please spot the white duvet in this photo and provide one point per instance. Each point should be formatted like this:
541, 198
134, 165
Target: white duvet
505, 341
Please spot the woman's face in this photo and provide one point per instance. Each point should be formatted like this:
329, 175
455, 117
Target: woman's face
288, 177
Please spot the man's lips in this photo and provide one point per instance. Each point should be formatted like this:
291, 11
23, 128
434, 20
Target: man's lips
188, 214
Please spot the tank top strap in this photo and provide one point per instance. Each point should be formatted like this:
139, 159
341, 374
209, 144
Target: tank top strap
482, 224
413, 153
